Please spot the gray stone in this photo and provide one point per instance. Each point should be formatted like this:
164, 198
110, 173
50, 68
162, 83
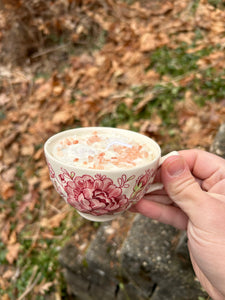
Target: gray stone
218, 146
149, 259
179, 289
96, 273
147, 249
131, 257
182, 250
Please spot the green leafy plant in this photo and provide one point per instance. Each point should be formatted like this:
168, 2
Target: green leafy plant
176, 62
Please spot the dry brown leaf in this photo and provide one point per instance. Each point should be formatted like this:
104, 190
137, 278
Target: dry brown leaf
6, 190
151, 127
43, 287
12, 238
38, 154
4, 99
29, 201
131, 58
144, 101
9, 175
13, 251
215, 59
57, 90
5, 296
54, 221
148, 42
8, 274
5, 231
4, 285
43, 92
46, 184
62, 117
27, 150
10, 138
218, 27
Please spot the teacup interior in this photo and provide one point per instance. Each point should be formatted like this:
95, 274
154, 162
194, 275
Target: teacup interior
112, 138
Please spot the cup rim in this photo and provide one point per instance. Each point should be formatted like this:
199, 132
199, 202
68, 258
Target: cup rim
107, 171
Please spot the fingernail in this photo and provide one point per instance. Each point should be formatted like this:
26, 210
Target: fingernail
176, 166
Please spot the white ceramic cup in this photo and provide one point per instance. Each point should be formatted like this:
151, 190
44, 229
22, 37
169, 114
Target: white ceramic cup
110, 192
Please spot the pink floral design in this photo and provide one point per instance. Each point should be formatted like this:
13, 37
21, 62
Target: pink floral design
51, 171
97, 196
144, 179
142, 184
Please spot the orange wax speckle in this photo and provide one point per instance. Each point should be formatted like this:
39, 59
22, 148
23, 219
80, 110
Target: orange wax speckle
60, 153
68, 142
100, 151
145, 154
90, 158
94, 138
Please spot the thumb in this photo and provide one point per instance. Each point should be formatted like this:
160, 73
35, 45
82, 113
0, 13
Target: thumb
181, 186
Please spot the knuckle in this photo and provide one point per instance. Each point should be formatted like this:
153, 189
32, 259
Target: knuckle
184, 188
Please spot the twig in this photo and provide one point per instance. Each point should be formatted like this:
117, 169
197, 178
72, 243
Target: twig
49, 51
31, 284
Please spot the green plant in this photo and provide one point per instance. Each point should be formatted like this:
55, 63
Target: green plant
217, 3
176, 62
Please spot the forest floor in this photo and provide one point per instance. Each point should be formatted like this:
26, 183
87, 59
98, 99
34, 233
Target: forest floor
156, 67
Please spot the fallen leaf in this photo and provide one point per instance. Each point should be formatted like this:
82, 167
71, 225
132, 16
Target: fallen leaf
6, 189
43, 92
148, 42
27, 150
38, 154
5, 296
147, 98
8, 274
13, 251
5, 231
57, 90
62, 117
9, 175
54, 221
43, 288
10, 138
4, 99
12, 238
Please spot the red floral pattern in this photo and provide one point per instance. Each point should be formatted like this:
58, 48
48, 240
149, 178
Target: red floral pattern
142, 184
51, 171
98, 195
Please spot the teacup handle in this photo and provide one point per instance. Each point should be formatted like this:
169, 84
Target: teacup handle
159, 186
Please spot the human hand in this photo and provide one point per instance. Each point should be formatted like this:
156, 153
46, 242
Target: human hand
194, 200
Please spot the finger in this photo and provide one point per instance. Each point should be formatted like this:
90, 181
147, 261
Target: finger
163, 213
163, 198
158, 192
218, 188
203, 164
182, 187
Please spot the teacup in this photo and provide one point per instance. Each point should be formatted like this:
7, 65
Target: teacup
101, 194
